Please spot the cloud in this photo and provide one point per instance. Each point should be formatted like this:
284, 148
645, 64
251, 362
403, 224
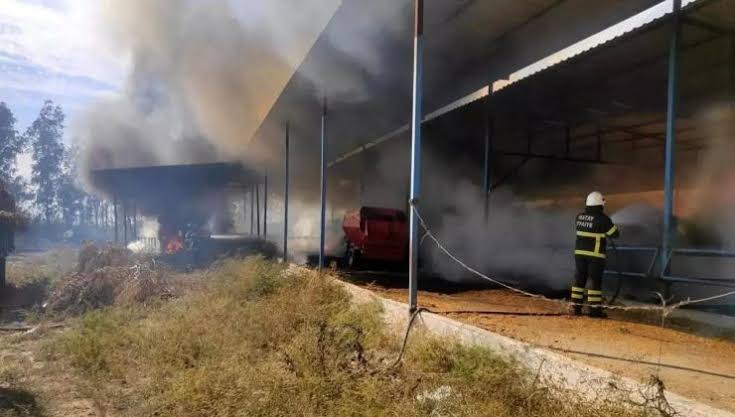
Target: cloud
63, 39
49, 49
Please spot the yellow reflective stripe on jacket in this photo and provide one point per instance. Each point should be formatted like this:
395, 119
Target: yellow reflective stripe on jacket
594, 299
589, 253
577, 289
598, 243
577, 296
594, 292
612, 230
590, 234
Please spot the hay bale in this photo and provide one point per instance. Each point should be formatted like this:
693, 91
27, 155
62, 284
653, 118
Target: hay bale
106, 277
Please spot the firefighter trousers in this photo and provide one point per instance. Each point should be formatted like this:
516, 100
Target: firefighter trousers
588, 269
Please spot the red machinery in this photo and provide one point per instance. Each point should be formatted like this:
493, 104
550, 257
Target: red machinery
375, 234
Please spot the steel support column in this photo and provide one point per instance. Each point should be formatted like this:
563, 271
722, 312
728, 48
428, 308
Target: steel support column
257, 208
413, 251
252, 210
732, 70
265, 204
285, 195
323, 182
244, 212
671, 113
489, 131
114, 215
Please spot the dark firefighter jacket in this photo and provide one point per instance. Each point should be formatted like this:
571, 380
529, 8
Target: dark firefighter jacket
593, 229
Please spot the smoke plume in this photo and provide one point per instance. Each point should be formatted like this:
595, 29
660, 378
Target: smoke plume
714, 186
205, 74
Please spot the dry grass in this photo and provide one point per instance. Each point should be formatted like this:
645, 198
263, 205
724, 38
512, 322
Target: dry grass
105, 276
31, 276
44, 268
257, 342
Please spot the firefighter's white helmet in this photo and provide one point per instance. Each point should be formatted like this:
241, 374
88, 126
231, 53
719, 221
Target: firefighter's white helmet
595, 199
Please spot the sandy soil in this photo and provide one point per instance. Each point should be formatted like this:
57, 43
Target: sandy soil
34, 386
697, 367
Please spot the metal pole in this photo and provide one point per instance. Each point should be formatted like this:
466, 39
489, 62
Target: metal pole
257, 207
285, 196
244, 211
114, 215
323, 174
488, 143
671, 113
732, 69
265, 205
413, 249
252, 210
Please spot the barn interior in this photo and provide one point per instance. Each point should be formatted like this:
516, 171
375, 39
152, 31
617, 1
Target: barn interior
219, 203
518, 127
508, 159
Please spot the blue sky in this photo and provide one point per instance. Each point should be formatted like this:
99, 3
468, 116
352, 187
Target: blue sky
49, 50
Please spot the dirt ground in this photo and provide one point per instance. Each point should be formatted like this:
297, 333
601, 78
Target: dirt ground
36, 387
700, 368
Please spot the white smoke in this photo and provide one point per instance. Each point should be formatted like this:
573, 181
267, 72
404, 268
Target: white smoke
204, 75
714, 185
148, 234
516, 240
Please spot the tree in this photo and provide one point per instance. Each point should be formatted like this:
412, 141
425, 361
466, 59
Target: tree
11, 144
45, 136
71, 198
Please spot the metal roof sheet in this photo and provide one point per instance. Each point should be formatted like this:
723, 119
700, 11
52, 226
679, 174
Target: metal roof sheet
468, 44
172, 182
623, 80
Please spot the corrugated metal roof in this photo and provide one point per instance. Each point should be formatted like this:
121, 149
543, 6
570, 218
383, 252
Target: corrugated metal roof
469, 44
587, 70
171, 181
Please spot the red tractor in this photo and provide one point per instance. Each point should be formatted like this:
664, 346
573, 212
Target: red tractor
375, 235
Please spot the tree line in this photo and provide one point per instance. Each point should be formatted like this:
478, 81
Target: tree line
52, 195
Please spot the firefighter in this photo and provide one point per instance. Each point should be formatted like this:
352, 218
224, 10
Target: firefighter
594, 227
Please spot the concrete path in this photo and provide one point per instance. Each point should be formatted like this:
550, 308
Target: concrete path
552, 367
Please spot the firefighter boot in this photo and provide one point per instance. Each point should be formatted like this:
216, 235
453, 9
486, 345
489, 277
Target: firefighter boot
598, 313
577, 299
594, 299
